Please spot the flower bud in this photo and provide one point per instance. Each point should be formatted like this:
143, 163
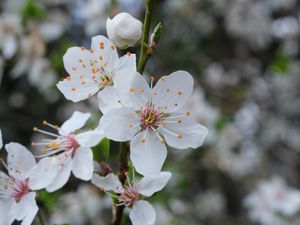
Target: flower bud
124, 30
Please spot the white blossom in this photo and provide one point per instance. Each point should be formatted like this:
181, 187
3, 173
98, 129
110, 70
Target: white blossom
124, 30
17, 199
142, 213
95, 69
149, 117
70, 148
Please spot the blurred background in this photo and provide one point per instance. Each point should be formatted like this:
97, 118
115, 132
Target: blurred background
244, 55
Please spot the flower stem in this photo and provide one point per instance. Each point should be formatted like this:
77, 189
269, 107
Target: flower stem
144, 54
118, 212
41, 218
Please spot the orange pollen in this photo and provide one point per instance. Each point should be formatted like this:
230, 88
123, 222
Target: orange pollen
112, 47
188, 113
68, 78
91, 50
179, 136
101, 58
179, 93
179, 121
82, 48
80, 60
101, 45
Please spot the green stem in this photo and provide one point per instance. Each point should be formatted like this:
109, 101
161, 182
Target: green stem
118, 212
41, 218
144, 55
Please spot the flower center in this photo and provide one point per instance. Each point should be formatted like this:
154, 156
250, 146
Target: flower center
150, 118
57, 144
129, 196
18, 188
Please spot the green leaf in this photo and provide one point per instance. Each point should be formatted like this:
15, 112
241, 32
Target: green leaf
221, 122
281, 64
101, 151
31, 10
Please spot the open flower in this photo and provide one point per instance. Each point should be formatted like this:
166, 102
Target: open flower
124, 30
142, 213
152, 116
17, 199
72, 150
95, 69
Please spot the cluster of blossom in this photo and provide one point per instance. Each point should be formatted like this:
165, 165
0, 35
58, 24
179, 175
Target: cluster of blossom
150, 117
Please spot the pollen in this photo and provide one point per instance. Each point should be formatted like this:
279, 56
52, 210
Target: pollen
91, 50
188, 113
100, 58
35, 129
130, 125
73, 89
82, 48
83, 83
152, 78
101, 45
32, 144
180, 121
162, 141
68, 78
143, 140
83, 65
73, 68
179, 93
131, 89
141, 90
80, 60
45, 122
162, 79
179, 136
53, 145
112, 47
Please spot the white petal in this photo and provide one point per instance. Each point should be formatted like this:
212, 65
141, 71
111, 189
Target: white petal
110, 182
120, 124
10, 46
5, 207
41, 175
76, 121
1, 141
171, 92
148, 153
110, 32
90, 138
78, 88
142, 213
138, 93
63, 173
147, 186
182, 131
77, 61
108, 99
128, 61
26, 209
82, 163
19, 158
104, 48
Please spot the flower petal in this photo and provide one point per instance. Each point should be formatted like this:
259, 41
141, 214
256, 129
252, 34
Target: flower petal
142, 213
82, 163
148, 153
147, 186
19, 158
181, 131
120, 124
108, 99
5, 207
77, 61
90, 138
171, 92
25, 209
43, 173
76, 121
1, 141
137, 93
110, 182
63, 173
107, 50
78, 88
